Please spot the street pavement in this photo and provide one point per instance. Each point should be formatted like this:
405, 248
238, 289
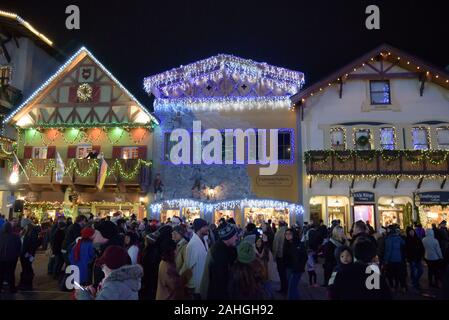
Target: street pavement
46, 288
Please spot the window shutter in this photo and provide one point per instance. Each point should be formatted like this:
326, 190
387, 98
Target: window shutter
71, 152
51, 152
116, 152
143, 152
96, 149
27, 152
72, 94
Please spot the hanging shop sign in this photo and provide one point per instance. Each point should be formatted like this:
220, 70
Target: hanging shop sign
274, 181
363, 197
437, 197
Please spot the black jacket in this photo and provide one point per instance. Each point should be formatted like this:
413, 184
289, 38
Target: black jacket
222, 258
31, 242
414, 249
363, 236
350, 284
57, 241
295, 256
73, 232
10, 244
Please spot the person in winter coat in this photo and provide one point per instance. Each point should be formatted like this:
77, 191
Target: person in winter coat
336, 240
420, 232
56, 248
245, 283
196, 251
433, 257
414, 252
170, 285
295, 256
10, 247
72, 233
394, 259
30, 243
221, 256
344, 257
443, 239
178, 236
263, 256
278, 252
83, 254
361, 231
121, 280
131, 245
350, 281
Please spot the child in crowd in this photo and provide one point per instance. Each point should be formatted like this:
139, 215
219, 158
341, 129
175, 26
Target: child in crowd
310, 268
344, 257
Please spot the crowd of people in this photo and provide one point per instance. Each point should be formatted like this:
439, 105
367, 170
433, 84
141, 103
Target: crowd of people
122, 258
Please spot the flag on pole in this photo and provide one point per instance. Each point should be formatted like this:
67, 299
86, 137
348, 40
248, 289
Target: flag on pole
60, 168
102, 170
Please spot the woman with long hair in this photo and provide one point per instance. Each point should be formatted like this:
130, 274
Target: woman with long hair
295, 256
336, 240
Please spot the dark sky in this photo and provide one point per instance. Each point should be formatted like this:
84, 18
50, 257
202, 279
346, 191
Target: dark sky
134, 39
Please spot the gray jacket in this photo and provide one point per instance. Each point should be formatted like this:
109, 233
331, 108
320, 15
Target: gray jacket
431, 246
121, 284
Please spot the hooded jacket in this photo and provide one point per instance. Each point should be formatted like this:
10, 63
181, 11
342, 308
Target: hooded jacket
431, 247
122, 284
10, 244
394, 248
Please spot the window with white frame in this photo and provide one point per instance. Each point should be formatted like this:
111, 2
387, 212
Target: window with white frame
380, 92
362, 139
338, 138
130, 152
387, 138
39, 153
83, 150
420, 137
443, 138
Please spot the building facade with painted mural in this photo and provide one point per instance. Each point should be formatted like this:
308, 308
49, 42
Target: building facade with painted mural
83, 144
375, 136
225, 93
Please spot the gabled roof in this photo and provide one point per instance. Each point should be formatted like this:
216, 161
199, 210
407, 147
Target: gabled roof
70, 63
400, 58
18, 26
219, 64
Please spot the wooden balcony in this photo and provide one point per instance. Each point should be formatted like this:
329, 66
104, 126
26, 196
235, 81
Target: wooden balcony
6, 148
376, 162
82, 174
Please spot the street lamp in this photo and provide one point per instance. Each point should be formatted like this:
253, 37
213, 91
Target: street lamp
14, 177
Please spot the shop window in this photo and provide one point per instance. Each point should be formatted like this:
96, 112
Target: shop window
82, 151
387, 139
364, 213
380, 92
39, 153
338, 138
284, 145
362, 139
190, 214
420, 138
130, 152
443, 138
5, 75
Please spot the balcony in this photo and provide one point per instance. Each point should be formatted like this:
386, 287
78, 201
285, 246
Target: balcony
377, 162
132, 174
6, 148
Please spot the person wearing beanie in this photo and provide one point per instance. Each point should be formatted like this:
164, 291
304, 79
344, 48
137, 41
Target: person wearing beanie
121, 281
215, 281
83, 253
196, 253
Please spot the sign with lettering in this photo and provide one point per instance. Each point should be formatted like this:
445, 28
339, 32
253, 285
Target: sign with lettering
437, 197
274, 181
363, 197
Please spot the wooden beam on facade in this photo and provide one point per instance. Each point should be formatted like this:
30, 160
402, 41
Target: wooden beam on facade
381, 76
340, 93
375, 183
420, 183
331, 182
310, 182
397, 183
443, 183
352, 183
422, 79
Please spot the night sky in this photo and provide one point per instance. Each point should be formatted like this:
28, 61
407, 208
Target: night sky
135, 39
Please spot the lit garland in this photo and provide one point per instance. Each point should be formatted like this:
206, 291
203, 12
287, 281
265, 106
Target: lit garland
350, 177
56, 75
84, 92
210, 207
225, 63
224, 103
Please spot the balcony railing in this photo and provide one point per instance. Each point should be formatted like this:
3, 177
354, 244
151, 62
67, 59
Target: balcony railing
85, 172
377, 162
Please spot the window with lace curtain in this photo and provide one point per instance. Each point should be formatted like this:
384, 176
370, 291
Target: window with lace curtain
443, 138
420, 137
387, 139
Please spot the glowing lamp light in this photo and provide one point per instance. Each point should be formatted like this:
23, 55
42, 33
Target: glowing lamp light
14, 177
142, 199
392, 204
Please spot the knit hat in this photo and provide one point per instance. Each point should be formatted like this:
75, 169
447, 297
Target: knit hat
24, 222
180, 229
114, 257
227, 231
246, 252
107, 229
198, 224
87, 233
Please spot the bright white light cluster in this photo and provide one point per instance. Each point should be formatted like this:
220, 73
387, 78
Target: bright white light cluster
220, 63
58, 73
227, 103
209, 207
